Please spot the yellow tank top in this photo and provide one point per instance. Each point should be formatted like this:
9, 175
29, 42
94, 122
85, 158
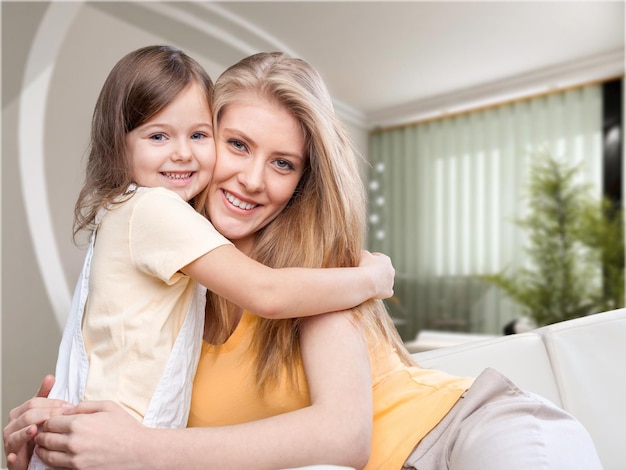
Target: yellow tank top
408, 401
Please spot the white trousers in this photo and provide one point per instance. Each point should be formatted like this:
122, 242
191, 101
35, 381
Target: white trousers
496, 426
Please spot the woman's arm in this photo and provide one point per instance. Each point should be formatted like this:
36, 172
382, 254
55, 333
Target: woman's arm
335, 429
291, 292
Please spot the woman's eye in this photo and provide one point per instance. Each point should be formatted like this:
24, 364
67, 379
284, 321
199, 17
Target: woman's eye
237, 145
284, 165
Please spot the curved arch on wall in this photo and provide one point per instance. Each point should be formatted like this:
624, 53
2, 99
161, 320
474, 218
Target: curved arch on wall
31, 130
47, 45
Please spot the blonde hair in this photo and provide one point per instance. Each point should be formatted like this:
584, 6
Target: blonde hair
139, 86
323, 225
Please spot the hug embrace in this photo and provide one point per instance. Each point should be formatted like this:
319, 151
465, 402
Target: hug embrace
232, 318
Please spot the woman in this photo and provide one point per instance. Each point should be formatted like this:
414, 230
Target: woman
338, 388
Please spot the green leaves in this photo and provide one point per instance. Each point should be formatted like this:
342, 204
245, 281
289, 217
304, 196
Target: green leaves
574, 250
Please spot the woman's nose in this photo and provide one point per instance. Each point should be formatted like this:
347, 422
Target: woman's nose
252, 176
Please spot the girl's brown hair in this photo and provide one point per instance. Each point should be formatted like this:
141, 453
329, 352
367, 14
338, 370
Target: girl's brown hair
324, 223
138, 87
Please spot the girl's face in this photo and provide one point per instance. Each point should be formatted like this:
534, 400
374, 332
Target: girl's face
260, 159
175, 149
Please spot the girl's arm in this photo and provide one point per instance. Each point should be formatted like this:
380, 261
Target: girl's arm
335, 429
23, 421
291, 292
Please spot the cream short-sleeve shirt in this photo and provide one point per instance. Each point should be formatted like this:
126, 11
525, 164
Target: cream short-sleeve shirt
138, 298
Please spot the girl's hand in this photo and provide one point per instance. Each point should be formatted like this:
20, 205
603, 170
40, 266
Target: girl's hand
382, 270
92, 435
23, 422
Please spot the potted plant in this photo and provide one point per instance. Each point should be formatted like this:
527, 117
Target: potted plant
574, 263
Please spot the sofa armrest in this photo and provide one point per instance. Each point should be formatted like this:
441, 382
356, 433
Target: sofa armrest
522, 357
586, 357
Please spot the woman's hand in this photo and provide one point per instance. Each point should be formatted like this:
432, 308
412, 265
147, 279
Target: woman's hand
92, 435
23, 422
383, 272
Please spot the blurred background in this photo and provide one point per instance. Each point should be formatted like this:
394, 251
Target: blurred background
454, 105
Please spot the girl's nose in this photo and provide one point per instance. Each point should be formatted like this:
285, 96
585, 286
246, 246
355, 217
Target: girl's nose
182, 152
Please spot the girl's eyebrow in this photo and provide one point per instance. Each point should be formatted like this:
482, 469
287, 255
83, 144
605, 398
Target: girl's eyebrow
149, 125
242, 135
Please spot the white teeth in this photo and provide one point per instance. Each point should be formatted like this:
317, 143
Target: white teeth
238, 203
177, 176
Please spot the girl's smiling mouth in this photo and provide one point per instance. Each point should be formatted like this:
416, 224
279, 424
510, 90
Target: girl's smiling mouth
177, 176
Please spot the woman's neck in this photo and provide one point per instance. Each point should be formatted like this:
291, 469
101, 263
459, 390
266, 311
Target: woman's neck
244, 245
213, 337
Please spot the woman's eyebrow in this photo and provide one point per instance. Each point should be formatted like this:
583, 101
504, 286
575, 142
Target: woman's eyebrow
252, 143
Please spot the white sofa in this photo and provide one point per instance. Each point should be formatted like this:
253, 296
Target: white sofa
577, 364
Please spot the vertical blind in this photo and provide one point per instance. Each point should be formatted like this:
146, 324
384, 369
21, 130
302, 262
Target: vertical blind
444, 195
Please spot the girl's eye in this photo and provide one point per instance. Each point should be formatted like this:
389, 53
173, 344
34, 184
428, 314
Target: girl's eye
198, 135
284, 165
157, 137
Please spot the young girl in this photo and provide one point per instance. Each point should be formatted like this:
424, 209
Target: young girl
136, 324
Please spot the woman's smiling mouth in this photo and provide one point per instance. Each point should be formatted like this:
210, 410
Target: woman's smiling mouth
238, 202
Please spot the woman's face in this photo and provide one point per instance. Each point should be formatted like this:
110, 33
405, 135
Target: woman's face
260, 159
